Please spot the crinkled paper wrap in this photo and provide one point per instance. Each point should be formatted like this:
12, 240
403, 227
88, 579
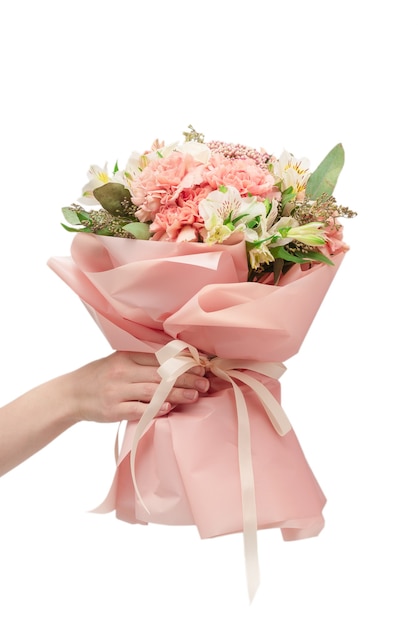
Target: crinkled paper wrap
143, 295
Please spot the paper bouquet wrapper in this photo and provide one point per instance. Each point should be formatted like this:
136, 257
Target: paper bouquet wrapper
189, 467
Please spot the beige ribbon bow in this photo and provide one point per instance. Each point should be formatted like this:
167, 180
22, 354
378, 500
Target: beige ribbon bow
176, 358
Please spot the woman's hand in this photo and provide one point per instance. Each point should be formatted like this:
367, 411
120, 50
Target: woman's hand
115, 388
120, 386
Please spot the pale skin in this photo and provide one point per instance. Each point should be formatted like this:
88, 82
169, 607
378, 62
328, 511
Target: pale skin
112, 389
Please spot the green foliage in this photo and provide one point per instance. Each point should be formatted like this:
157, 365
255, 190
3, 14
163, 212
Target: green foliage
75, 216
323, 180
140, 230
298, 256
114, 198
278, 265
76, 230
288, 195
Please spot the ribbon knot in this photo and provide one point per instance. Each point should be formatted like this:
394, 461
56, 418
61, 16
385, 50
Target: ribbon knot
176, 358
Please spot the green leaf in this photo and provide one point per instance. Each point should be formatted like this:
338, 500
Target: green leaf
277, 269
70, 229
318, 256
324, 178
139, 230
288, 195
71, 215
279, 252
113, 197
236, 219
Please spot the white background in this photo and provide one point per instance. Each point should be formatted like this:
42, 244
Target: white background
90, 82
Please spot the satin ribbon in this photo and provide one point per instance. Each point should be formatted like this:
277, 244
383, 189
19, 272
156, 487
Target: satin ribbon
176, 358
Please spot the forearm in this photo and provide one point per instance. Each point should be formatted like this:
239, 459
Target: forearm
33, 420
112, 389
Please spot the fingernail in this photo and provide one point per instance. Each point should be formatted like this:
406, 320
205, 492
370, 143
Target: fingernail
165, 407
202, 384
190, 394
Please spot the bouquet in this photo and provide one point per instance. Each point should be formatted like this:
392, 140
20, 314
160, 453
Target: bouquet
217, 254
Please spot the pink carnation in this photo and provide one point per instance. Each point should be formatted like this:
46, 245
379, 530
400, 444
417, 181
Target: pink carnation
243, 174
334, 236
161, 181
181, 220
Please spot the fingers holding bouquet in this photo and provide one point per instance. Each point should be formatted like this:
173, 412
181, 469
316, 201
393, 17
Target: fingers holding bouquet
127, 382
186, 389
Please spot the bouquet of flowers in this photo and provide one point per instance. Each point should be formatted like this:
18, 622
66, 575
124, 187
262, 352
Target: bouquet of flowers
217, 254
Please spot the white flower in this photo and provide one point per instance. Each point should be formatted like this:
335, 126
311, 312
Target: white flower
309, 234
266, 223
98, 176
199, 151
288, 229
259, 255
224, 211
134, 166
138, 162
281, 229
292, 172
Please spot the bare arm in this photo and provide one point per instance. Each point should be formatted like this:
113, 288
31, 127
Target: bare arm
115, 388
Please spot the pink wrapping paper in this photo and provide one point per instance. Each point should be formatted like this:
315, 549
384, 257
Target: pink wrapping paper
144, 294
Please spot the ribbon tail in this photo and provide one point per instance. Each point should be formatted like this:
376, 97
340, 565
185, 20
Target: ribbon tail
249, 507
172, 366
150, 412
273, 408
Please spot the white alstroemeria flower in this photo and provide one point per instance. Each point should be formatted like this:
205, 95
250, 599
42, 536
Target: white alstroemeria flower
160, 150
288, 229
138, 162
199, 151
98, 176
309, 234
272, 214
259, 255
284, 225
217, 232
225, 211
292, 172
266, 223
134, 166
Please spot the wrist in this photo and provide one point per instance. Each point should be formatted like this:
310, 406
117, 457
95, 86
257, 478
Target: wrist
64, 402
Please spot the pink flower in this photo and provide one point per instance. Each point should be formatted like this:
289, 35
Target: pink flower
179, 221
334, 238
243, 174
192, 196
162, 181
